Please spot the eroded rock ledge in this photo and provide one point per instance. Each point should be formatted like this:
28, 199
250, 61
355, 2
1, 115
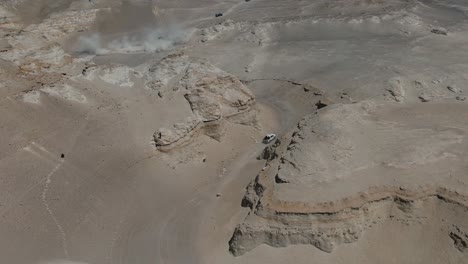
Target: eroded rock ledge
326, 227
331, 181
212, 94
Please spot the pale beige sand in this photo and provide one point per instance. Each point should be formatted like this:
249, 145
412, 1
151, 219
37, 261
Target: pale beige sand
116, 198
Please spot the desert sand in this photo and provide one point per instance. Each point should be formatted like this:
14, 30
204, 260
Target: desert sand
131, 131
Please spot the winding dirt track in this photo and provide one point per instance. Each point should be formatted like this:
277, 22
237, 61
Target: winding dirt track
197, 227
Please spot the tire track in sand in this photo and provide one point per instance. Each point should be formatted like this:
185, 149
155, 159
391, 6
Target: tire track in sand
63, 236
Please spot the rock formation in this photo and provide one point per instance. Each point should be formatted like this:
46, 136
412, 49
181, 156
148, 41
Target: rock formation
347, 168
212, 94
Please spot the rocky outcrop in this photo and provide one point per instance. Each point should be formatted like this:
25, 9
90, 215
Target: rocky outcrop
213, 95
247, 237
178, 134
204, 105
460, 238
440, 31
36, 50
332, 181
396, 90
325, 226
269, 152
420, 89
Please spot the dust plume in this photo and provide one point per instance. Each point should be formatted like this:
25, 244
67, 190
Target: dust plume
130, 28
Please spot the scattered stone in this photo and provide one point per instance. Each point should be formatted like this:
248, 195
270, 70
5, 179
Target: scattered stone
320, 104
460, 239
396, 90
419, 85
454, 89
424, 98
439, 31
345, 96
310, 88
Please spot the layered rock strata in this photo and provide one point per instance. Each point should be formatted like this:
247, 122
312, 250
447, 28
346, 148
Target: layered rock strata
212, 94
348, 168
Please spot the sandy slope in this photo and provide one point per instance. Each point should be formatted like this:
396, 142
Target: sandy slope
116, 198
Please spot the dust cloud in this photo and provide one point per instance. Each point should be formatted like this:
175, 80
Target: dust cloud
130, 28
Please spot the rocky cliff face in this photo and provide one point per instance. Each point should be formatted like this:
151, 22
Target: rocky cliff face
348, 168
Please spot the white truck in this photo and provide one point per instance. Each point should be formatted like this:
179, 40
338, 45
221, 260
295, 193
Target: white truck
269, 138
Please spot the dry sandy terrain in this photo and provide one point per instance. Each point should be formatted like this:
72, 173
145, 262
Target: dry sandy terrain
130, 131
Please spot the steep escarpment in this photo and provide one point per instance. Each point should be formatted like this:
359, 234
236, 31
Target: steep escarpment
326, 229
333, 181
